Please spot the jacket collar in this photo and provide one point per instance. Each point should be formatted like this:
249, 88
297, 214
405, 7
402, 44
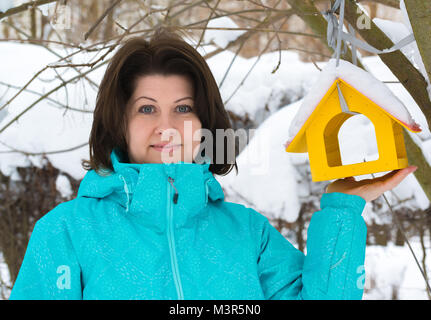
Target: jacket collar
142, 189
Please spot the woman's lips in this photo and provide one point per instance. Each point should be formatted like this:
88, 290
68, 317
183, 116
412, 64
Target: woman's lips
166, 148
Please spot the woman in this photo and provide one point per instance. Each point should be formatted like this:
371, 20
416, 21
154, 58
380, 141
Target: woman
150, 221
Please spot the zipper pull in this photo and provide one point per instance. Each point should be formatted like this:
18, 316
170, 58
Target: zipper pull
176, 192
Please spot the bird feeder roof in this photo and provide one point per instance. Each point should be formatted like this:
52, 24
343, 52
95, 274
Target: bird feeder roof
362, 81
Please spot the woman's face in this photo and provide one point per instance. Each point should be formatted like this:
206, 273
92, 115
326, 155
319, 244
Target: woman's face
161, 111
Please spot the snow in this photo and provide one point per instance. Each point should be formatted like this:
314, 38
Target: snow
397, 274
222, 37
47, 127
6, 5
396, 31
4, 278
63, 186
269, 179
363, 81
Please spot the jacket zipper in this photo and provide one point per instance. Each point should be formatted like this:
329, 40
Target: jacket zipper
171, 239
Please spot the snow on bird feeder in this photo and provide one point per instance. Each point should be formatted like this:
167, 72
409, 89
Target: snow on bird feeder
338, 94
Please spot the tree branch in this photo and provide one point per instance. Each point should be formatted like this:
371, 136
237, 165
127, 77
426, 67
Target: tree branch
251, 31
87, 34
49, 92
27, 153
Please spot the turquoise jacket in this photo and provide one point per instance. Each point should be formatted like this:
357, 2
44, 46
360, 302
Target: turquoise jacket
164, 231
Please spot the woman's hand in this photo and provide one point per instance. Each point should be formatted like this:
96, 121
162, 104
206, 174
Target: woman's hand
370, 189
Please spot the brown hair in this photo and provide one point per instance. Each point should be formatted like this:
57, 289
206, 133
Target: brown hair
167, 54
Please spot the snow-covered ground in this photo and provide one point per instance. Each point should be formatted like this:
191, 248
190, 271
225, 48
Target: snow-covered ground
268, 176
390, 273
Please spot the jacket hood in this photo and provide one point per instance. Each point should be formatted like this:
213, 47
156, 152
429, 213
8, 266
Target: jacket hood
143, 188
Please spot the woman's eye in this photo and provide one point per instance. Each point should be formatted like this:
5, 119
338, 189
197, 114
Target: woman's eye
184, 108
146, 109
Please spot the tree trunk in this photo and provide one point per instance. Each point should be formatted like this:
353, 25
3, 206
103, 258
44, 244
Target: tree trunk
420, 18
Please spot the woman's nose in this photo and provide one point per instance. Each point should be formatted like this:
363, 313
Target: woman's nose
163, 124
166, 128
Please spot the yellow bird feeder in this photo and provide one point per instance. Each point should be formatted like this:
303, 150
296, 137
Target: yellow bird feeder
319, 134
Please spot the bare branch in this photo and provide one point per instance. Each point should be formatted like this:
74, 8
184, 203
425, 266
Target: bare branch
22, 89
207, 21
252, 31
49, 93
61, 105
87, 34
255, 63
312, 35
27, 153
40, 42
